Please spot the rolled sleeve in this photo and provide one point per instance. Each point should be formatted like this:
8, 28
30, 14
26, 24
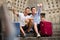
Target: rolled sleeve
39, 11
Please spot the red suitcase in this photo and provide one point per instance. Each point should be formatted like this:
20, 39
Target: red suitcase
45, 28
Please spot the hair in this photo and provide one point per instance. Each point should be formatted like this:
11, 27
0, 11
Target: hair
32, 8
27, 8
42, 15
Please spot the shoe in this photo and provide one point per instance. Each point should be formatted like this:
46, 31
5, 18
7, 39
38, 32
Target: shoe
24, 36
38, 35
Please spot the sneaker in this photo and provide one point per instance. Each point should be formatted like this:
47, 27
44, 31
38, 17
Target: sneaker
38, 35
24, 36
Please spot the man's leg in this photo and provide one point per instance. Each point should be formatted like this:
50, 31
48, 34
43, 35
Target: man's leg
38, 26
36, 30
22, 31
30, 25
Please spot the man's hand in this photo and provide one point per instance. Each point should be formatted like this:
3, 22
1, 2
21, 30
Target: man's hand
29, 20
15, 11
39, 5
26, 21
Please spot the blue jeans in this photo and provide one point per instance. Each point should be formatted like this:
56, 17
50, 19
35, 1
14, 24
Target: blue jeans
17, 25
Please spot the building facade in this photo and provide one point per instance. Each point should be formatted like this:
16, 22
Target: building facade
20, 5
51, 8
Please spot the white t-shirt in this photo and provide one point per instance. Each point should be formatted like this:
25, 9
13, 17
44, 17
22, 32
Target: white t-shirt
22, 19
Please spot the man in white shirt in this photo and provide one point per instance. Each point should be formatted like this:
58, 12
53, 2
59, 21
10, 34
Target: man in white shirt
23, 18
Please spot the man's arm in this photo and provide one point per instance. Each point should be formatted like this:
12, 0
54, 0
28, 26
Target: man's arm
15, 12
39, 11
39, 8
29, 20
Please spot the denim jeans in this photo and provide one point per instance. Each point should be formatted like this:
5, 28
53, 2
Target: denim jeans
17, 25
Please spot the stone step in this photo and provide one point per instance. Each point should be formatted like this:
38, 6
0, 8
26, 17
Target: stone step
55, 33
29, 35
34, 35
41, 38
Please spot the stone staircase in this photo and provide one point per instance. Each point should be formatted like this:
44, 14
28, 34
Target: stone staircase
55, 36
41, 38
